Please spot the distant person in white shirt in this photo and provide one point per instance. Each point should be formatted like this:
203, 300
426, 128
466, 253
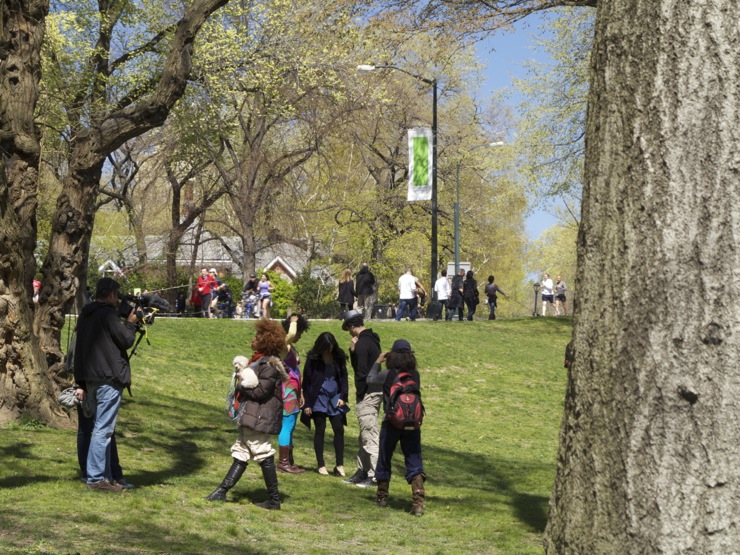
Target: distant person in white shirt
443, 290
407, 287
547, 294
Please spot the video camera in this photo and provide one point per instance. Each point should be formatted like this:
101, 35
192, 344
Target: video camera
145, 306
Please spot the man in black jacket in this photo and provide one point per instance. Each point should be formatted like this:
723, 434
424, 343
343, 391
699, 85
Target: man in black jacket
102, 369
364, 351
364, 282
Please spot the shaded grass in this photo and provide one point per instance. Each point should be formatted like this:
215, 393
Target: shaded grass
493, 393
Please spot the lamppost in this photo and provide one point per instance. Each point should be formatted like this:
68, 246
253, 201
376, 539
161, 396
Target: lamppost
433, 83
457, 201
536, 290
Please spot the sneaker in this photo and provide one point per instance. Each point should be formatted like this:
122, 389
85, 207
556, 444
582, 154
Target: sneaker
367, 483
124, 484
357, 477
105, 485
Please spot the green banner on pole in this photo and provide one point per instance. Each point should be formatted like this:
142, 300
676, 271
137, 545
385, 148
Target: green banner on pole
420, 164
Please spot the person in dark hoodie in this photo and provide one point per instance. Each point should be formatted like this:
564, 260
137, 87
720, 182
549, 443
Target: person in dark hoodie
363, 352
364, 286
102, 372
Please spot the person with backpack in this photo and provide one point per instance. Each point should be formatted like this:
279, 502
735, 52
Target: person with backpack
404, 413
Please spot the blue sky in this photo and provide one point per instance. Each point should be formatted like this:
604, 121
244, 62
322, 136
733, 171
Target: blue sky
504, 56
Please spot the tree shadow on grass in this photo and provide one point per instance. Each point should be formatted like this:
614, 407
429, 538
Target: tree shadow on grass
495, 480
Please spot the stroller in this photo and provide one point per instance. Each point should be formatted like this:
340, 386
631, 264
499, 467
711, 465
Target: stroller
250, 307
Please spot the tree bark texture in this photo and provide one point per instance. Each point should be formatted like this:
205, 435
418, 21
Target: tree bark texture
24, 383
650, 440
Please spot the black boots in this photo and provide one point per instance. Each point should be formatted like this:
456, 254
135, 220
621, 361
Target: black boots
269, 473
232, 477
417, 495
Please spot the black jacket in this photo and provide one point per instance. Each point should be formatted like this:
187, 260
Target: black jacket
456, 299
364, 282
313, 379
470, 290
101, 345
347, 293
366, 352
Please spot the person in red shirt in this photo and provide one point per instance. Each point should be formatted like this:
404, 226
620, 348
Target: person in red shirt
205, 286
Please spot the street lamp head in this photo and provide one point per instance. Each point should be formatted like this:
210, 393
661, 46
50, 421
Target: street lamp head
536, 287
365, 67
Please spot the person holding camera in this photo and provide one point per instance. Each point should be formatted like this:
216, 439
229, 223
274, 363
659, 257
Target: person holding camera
102, 371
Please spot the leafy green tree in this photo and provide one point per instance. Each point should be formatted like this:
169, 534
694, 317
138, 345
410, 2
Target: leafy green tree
101, 113
552, 129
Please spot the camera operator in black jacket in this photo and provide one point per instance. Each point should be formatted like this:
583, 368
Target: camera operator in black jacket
102, 369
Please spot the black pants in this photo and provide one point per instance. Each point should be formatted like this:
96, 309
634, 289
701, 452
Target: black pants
337, 426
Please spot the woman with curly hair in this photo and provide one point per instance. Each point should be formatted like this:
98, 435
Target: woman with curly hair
262, 415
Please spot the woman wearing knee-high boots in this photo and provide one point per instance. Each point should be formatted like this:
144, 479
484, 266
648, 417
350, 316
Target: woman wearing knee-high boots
262, 416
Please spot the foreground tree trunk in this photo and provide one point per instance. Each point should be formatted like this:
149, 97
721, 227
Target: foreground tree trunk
24, 383
650, 441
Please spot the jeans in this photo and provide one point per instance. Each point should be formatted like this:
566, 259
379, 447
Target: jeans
442, 305
85, 426
107, 401
403, 305
491, 310
472, 303
410, 445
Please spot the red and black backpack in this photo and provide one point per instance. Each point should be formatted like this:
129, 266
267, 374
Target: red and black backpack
405, 410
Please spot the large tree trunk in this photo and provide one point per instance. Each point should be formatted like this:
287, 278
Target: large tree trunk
24, 383
650, 440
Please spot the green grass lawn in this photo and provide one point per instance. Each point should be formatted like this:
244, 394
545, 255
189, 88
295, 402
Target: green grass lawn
493, 393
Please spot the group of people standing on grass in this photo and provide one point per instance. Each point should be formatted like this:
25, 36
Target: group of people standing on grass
321, 396
270, 404
461, 292
209, 291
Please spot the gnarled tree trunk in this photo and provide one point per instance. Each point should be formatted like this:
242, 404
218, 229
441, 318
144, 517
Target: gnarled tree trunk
24, 383
650, 441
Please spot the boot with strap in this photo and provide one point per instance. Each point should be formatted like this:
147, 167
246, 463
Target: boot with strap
269, 473
381, 499
284, 464
232, 477
292, 461
417, 495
